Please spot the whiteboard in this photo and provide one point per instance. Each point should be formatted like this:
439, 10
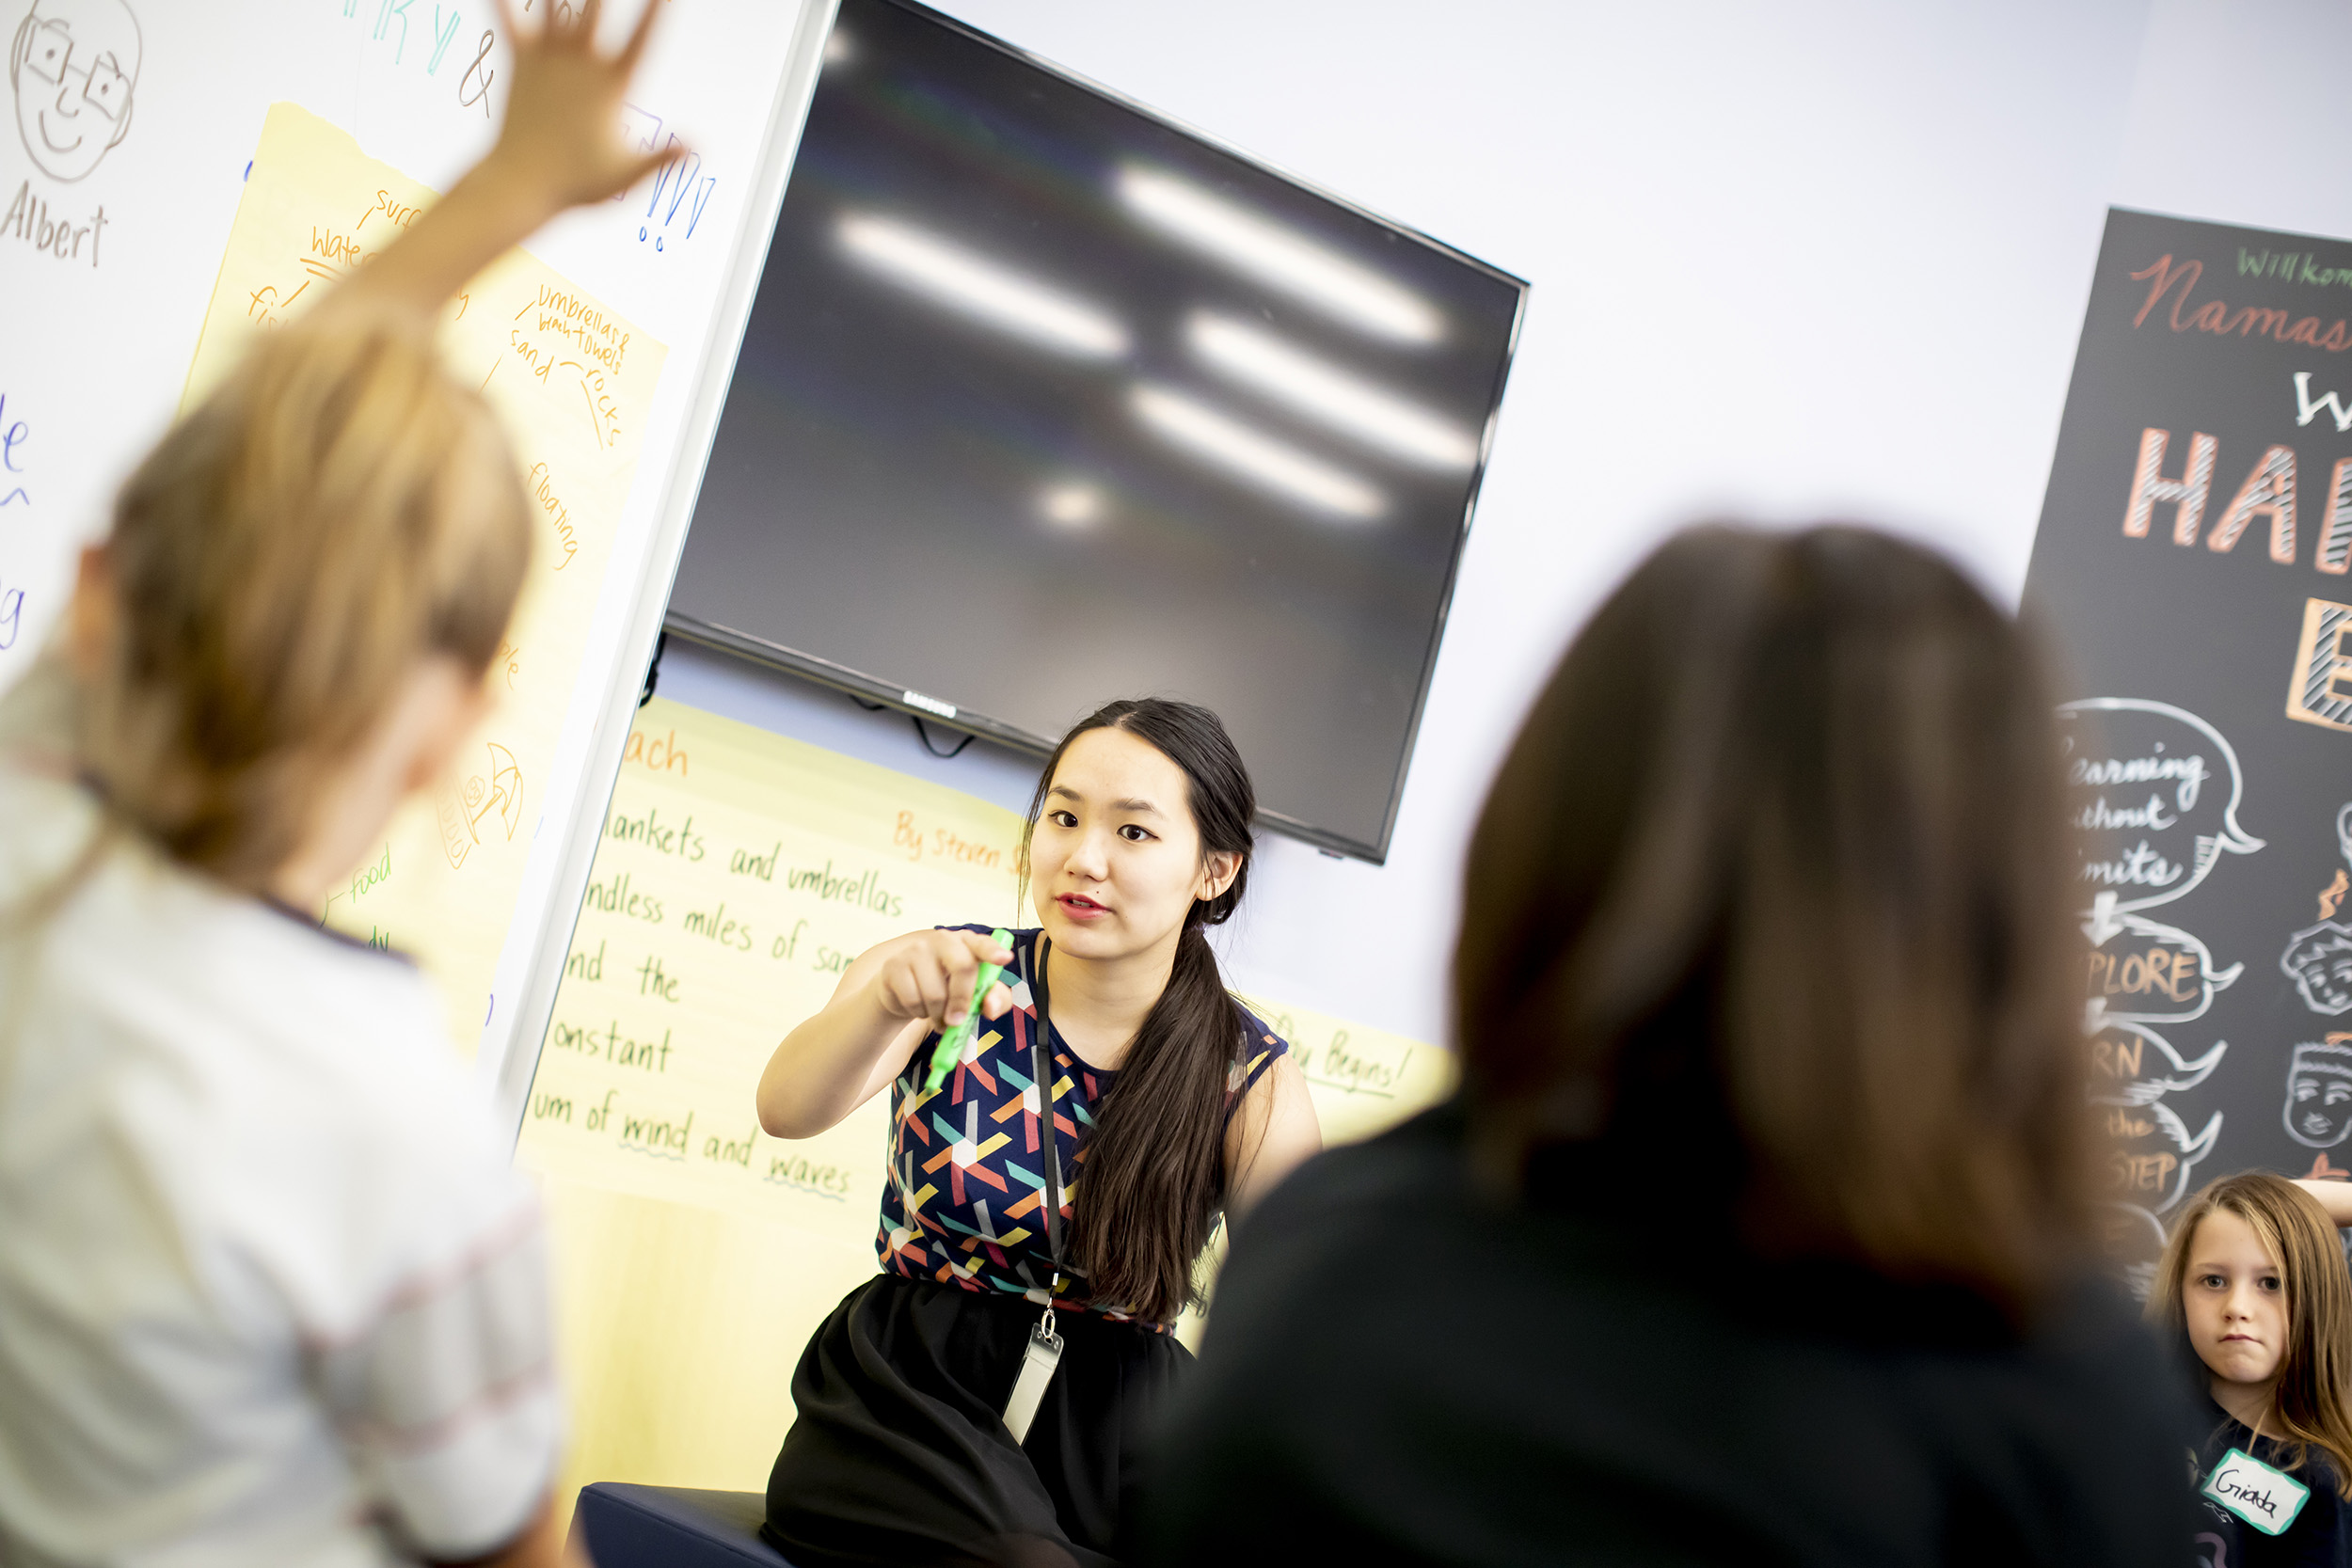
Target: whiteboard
133, 125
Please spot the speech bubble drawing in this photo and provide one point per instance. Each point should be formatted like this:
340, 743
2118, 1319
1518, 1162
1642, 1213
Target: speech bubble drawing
2156, 974
2318, 1108
2153, 1154
2154, 791
2135, 1066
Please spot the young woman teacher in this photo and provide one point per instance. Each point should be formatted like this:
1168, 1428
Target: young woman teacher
1010, 1256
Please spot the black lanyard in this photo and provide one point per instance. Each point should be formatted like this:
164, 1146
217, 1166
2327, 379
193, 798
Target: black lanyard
1043, 1352
1041, 1063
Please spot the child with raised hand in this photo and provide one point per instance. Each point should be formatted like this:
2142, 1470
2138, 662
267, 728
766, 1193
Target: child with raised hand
270, 1292
2252, 1295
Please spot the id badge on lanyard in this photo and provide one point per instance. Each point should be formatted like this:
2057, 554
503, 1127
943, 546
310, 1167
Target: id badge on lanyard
1045, 1343
1037, 1370
2265, 1499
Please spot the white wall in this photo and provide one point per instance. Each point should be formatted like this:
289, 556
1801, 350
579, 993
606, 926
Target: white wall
1820, 258
2240, 113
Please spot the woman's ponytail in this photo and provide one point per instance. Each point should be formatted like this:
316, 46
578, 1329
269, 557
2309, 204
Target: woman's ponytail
1154, 1169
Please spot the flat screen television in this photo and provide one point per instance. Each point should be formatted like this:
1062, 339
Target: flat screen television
1045, 399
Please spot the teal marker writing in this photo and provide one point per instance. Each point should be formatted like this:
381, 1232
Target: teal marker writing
951, 1041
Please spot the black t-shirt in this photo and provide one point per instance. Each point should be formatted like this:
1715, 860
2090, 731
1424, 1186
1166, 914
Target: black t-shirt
2320, 1535
1399, 1370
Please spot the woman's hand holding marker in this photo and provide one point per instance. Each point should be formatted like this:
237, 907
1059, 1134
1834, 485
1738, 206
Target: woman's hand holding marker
896, 995
953, 1039
931, 978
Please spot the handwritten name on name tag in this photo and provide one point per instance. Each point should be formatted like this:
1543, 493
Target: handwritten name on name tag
2265, 1499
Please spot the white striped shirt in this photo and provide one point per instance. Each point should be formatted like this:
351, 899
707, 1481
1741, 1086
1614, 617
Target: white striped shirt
270, 1288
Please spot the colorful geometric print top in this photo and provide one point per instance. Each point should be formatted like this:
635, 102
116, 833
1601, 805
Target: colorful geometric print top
967, 1177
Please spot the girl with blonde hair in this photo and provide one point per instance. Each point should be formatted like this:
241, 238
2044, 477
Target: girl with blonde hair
269, 1288
2252, 1297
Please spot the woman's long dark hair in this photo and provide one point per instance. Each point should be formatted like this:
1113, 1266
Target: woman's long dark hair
1780, 856
1155, 1165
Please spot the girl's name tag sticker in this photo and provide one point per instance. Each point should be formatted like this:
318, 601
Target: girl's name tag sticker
2265, 1499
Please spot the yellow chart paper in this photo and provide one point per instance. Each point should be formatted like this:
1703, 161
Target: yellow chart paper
738, 872
572, 382
1364, 1081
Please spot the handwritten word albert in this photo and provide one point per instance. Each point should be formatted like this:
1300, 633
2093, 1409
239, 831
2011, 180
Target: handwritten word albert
29, 221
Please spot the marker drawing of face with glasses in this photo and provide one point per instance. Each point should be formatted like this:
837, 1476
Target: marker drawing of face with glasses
73, 66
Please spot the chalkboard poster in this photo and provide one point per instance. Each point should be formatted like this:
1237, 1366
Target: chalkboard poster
2192, 568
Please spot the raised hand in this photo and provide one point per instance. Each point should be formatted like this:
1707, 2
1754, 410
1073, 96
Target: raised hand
560, 143
560, 146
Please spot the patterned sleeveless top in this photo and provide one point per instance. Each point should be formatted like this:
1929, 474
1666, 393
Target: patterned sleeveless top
967, 1177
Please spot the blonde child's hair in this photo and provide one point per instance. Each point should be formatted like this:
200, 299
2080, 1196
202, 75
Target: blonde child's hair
2309, 1406
335, 512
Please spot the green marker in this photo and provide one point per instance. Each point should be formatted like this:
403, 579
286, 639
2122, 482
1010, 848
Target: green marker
951, 1041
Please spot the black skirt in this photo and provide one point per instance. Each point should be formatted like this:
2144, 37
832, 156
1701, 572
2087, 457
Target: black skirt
898, 1454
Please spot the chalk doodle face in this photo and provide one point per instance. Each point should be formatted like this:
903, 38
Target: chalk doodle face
2153, 790
72, 67
2319, 960
2318, 1111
